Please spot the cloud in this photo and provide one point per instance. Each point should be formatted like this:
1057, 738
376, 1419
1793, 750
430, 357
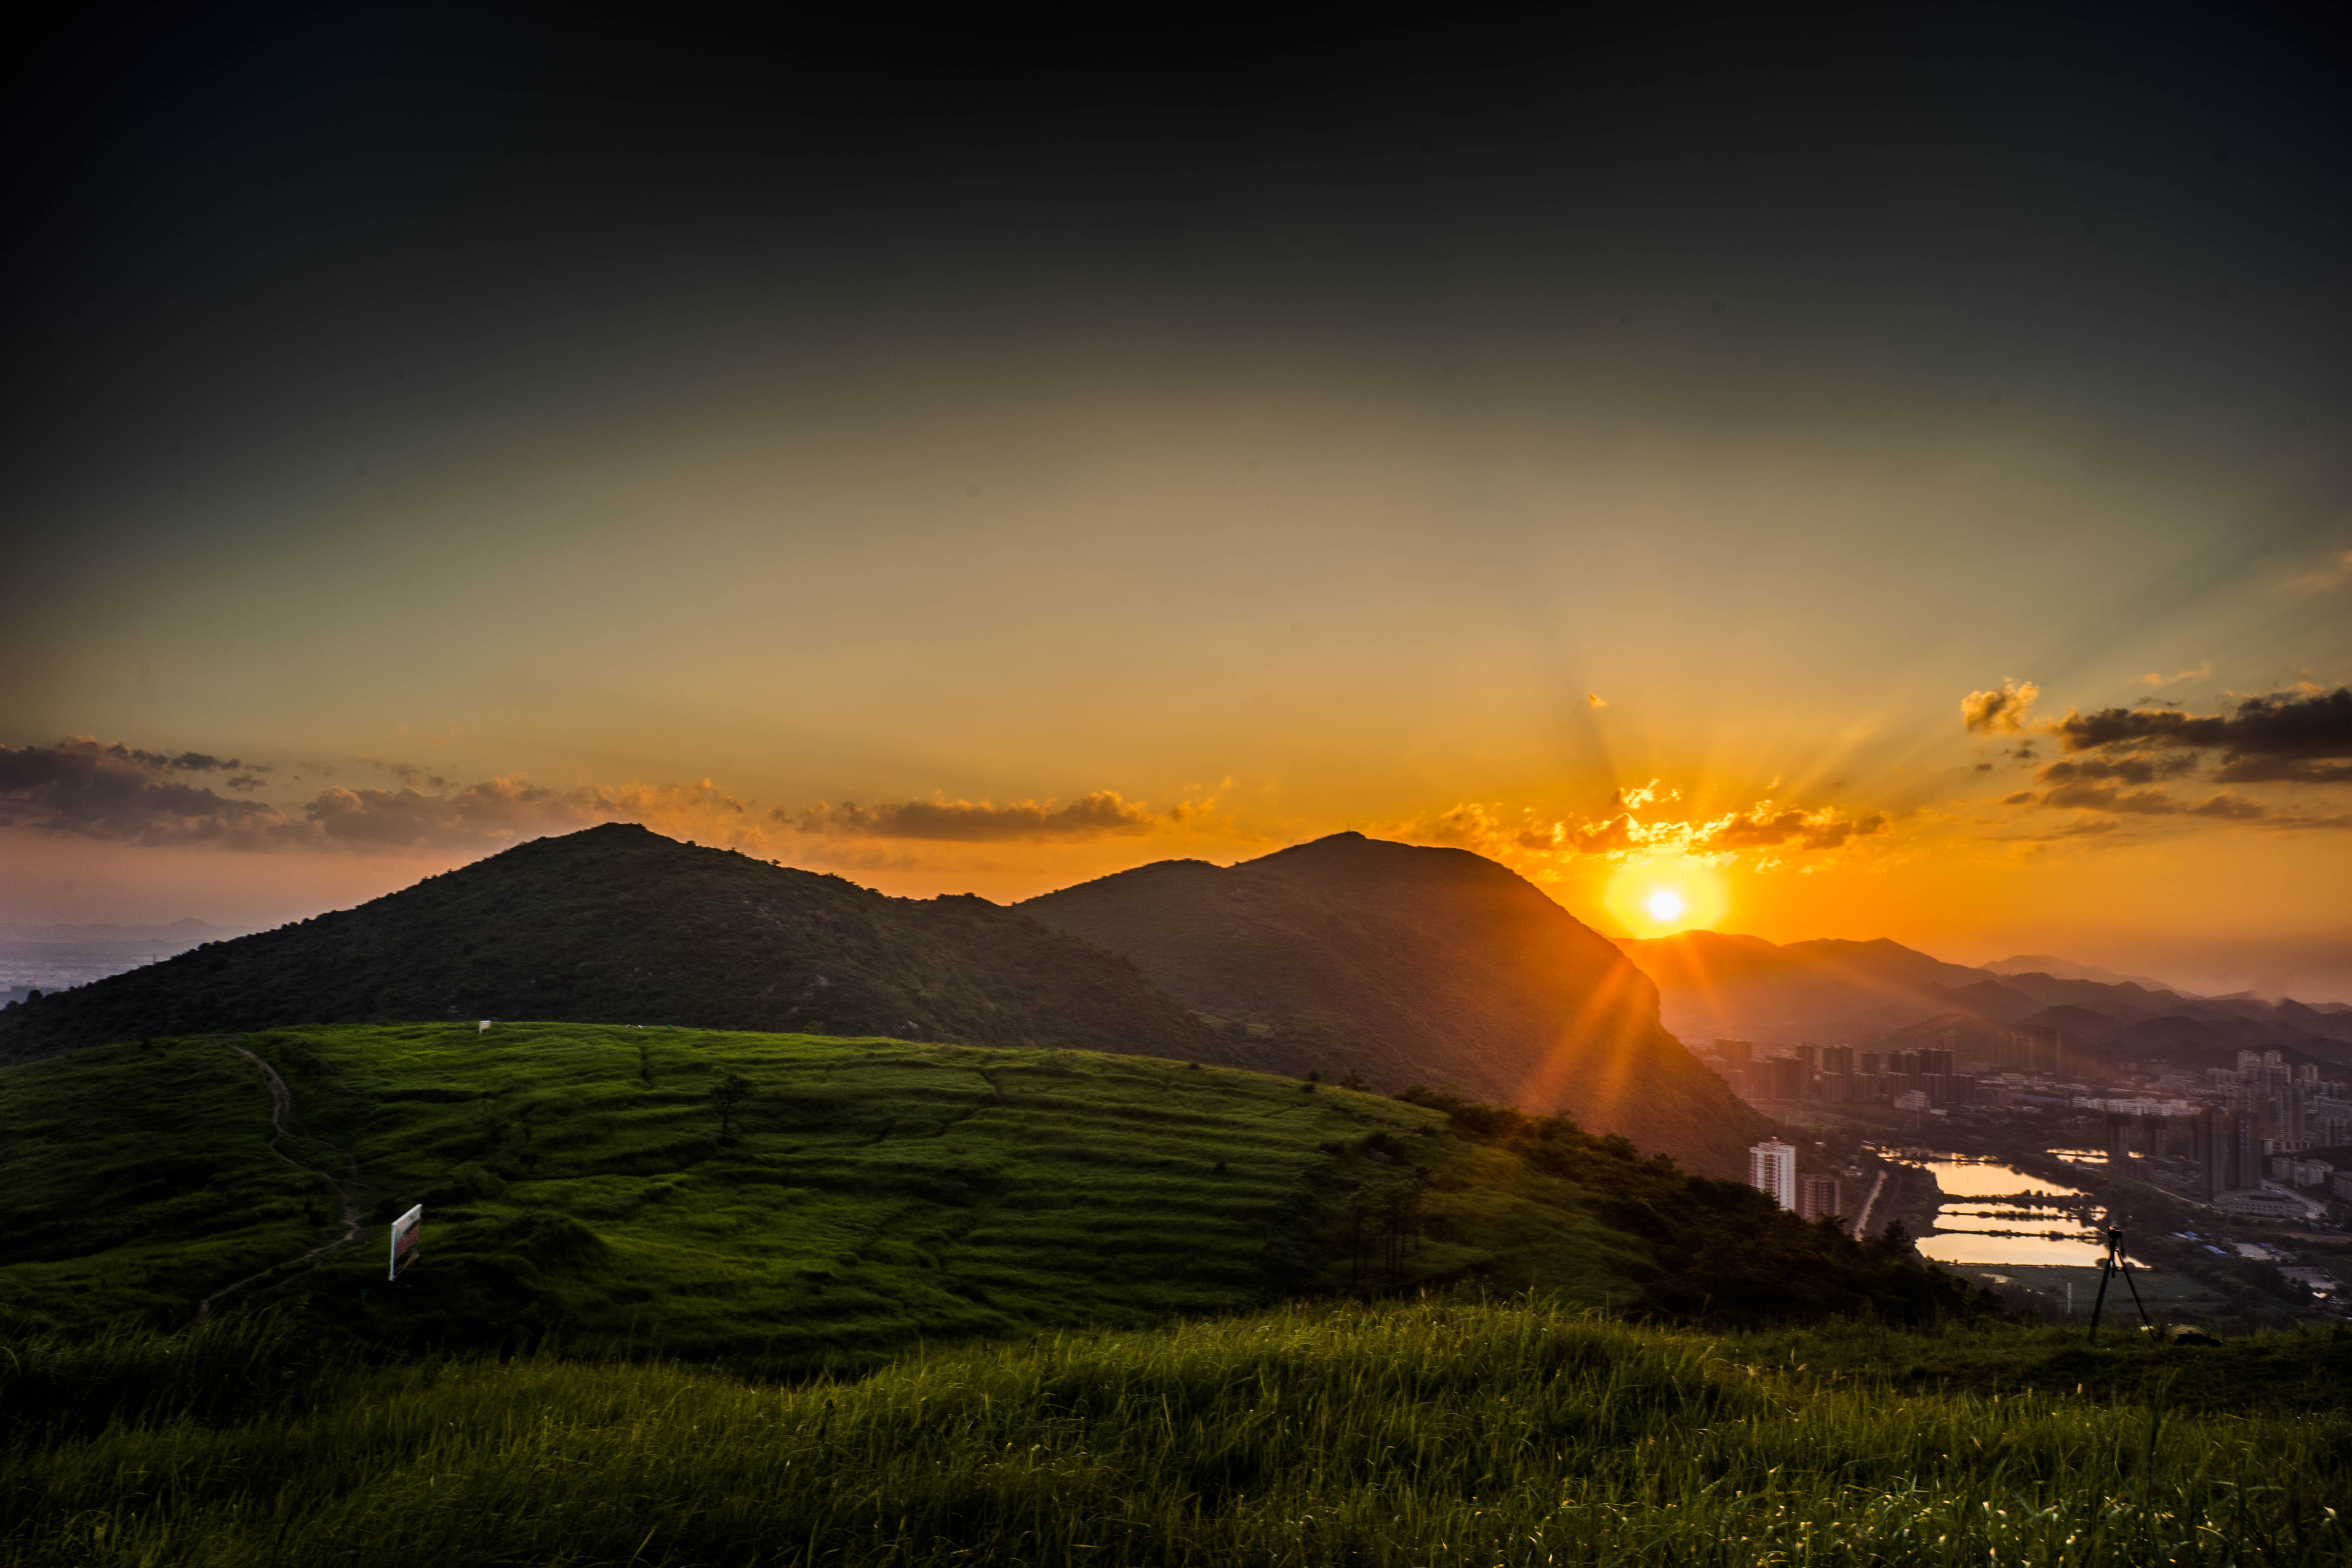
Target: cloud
1995, 712
91, 789
2160, 680
2304, 737
2130, 768
2106, 797
88, 789
408, 773
966, 822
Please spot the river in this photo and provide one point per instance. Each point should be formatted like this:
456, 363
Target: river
1990, 1215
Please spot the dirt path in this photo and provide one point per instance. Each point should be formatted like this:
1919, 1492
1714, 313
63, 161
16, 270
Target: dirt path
281, 1105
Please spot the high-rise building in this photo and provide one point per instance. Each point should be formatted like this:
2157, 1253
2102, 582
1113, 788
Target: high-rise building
1870, 1064
1936, 1064
1817, 1196
1772, 1168
1837, 1058
1738, 1053
1790, 1078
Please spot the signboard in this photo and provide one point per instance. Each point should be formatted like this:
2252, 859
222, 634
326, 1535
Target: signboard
405, 1231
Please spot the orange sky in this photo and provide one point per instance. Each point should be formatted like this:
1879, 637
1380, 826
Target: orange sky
1617, 444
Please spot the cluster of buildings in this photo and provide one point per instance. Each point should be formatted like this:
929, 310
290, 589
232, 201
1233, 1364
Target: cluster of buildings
2240, 1141
1928, 1078
1843, 1075
1773, 1169
2242, 1145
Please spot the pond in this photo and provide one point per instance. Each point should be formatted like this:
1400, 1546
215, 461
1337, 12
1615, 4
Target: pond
1990, 1215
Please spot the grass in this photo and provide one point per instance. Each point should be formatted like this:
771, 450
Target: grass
872, 1195
1415, 1433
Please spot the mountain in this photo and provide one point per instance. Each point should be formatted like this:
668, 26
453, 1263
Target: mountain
2068, 969
1412, 964
1712, 986
1881, 994
617, 925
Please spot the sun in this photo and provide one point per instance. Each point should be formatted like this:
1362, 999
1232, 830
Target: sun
1663, 896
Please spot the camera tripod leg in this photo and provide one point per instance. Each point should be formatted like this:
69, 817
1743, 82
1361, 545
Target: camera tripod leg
2122, 1264
2099, 1305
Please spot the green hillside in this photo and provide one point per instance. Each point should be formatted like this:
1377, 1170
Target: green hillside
868, 1194
619, 925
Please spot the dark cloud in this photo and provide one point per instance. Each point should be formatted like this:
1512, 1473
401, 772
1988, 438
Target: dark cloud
2130, 768
2282, 769
91, 789
1091, 817
2106, 797
2293, 738
1762, 829
95, 790
408, 773
1832, 835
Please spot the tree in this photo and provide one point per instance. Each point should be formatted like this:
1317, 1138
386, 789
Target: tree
728, 1094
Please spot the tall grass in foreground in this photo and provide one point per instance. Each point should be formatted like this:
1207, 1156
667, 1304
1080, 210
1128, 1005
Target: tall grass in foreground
1407, 1434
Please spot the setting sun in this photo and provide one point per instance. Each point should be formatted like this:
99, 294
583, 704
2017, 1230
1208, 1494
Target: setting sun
1660, 897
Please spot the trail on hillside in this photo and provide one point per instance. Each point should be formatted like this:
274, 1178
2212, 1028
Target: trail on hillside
281, 1102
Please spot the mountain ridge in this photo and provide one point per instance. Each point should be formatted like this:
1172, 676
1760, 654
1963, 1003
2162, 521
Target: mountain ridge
1428, 964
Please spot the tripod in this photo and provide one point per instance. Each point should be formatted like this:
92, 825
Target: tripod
2114, 1263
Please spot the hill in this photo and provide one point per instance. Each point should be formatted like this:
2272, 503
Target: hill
619, 925
1416, 965
1881, 993
581, 1188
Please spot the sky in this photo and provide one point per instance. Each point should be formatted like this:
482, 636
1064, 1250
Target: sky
1880, 471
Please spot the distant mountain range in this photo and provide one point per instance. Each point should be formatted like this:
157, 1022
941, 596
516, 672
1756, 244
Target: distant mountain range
1713, 985
2059, 968
179, 932
1394, 964
1411, 963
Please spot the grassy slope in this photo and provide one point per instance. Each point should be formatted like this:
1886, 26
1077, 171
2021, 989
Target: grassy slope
1413, 1434
873, 1192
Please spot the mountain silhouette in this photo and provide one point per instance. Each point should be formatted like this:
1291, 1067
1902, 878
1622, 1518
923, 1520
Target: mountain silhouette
1410, 964
619, 925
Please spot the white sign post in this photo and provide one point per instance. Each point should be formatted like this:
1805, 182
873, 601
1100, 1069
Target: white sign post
405, 1231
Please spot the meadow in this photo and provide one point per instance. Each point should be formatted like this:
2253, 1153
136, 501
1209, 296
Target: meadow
583, 1188
1422, 1432
864, 1195
904, 1304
